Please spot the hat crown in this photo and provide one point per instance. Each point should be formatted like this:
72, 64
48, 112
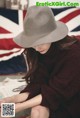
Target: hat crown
39, 21
40, 27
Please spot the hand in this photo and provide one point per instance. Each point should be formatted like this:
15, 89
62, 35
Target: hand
20, 103
15, 99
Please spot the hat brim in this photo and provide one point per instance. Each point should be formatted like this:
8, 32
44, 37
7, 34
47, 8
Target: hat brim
29, 41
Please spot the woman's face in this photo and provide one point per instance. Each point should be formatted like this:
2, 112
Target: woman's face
43, 48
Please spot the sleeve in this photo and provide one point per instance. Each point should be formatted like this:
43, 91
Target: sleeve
40, 78
63, 85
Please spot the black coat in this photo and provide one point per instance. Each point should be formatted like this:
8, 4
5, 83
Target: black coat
58, 80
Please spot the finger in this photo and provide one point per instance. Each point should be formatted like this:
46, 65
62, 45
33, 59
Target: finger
8, 100
2, 101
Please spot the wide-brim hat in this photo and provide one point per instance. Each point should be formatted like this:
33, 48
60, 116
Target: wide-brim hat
40, 27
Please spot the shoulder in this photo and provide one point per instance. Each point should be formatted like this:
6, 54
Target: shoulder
75, 48
71, 55
72, 58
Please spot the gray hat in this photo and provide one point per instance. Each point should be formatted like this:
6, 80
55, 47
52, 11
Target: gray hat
40, 27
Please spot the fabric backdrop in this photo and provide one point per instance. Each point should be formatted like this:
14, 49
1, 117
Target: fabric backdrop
11, 24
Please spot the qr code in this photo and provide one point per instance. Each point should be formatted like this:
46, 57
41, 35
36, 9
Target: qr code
7, 110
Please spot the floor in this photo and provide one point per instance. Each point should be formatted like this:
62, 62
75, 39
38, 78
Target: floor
14, 77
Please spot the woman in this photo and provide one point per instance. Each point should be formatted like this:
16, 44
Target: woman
53, 89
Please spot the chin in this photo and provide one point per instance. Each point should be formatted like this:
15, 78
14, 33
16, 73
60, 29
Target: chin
43, 52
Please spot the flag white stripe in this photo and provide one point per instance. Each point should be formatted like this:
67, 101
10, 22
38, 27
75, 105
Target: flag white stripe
74, 33
72, 23
7, 24
12, 55
64, 13
20, 19
10, 26
7, 36
8, 51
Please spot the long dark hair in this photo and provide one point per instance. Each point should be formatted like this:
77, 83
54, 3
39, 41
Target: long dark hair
32, 55
32, 62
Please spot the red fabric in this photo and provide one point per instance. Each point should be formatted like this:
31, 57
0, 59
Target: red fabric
2, 30
8, 44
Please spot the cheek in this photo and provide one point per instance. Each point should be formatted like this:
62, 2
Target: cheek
48, 46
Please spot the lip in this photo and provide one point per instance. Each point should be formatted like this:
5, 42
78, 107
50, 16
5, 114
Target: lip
41, 51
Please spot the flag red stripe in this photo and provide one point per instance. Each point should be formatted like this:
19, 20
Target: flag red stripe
70, 16
8, 54
8, 44
2, 30
24, 13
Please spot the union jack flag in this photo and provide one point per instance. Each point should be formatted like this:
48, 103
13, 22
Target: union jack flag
71, 17
11, 24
